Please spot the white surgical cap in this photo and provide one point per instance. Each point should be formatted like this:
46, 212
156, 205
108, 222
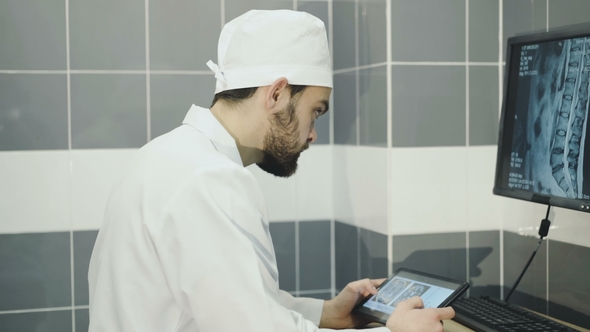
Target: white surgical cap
261, 46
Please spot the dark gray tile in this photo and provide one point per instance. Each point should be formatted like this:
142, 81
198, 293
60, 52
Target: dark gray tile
315, 255
183, 34
564, 13
343, 14
35, 271
49, 321
322, 128
107, 34
235, 8
531, 292
483, 30
373, 106
428, 106
483, 105
345, 117
320, 296
484, 263
318, 9
372, 31
523, 17
569, 291
173, 95
83, 245
428, 30
108, 111
33, 112
346, 254
82, 320
373, 250
443, 254
32, 35
283, 239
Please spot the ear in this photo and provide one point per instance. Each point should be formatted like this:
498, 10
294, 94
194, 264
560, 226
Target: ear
278, 95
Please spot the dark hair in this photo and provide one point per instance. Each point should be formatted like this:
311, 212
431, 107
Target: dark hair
235, 96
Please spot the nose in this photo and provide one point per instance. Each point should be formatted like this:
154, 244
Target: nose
313, 136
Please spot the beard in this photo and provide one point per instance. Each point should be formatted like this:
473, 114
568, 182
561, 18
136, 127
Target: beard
282, 147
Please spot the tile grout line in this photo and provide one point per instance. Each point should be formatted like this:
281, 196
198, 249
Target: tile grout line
331, 142
147, 73
357, 72
389, 173
500, 90
25, 311
297, 257
222, 10
467, 126
69, 106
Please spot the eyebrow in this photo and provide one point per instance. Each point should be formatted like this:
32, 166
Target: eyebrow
326, 104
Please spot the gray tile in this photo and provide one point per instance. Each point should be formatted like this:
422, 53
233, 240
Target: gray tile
82, 320
483, 30
521, 17
107, 34
428, 106
346, 254
443, 254
183, 34
373, 106
320, 296
315, 271
484, 263
483, 105
564, 13
83, 245
108, 111
32, 39
373, 250
283, 239
428, 30
345, 117
33, 112
569, 290
322, 128
235, 8
173, 95
49, 321
372, 31
318, 9
531, 292
343, 13
35, 271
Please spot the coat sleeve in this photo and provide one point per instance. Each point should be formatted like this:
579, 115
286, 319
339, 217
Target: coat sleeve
310, 308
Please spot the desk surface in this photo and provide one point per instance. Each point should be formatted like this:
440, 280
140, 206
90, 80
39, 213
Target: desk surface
452, 326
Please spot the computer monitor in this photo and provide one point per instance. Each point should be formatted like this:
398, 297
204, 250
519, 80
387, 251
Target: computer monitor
544, 141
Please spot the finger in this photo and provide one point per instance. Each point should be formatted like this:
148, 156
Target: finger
446, 313
413, 302
364, 286
377, 282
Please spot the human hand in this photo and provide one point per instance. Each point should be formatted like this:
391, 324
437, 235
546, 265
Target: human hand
410, 315
337, 313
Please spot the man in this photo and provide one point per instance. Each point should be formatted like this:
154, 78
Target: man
185, 244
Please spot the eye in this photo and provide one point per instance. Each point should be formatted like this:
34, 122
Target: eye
318, 113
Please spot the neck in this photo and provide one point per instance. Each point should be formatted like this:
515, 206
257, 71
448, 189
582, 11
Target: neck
245, 126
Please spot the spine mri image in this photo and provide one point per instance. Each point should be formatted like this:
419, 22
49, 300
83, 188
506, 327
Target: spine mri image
551, 119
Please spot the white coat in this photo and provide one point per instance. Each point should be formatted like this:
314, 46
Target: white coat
185, 244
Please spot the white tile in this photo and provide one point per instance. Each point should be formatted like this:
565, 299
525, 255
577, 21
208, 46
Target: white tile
429, 190
34, 191
484, 209
570, 226
314, 184
521, 216
93, 175
360, 187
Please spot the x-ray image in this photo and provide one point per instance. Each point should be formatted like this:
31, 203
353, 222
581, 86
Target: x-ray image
551, 119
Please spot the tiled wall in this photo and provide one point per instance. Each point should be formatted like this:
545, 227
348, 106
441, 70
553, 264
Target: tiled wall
402, 172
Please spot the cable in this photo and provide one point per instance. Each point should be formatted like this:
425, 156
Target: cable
543, 231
